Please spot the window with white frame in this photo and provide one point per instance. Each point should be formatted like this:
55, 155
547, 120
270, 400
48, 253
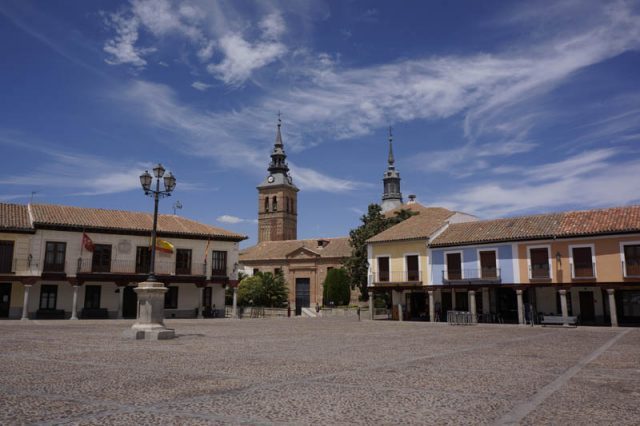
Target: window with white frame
413, 267
631, 253
582, 262
539, 258
383, 269
454, 266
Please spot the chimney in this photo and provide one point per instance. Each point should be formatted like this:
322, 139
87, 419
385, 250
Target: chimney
412, 199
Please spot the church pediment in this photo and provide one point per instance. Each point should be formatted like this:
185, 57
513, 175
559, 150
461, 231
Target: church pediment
302, 253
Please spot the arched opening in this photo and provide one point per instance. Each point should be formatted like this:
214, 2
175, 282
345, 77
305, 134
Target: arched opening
266, 204
274, 204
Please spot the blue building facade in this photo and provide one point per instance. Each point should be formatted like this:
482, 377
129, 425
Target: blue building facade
496, 263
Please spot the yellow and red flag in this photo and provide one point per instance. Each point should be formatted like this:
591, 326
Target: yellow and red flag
164, 246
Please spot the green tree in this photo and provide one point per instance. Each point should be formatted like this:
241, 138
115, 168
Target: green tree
228, 291
263, 289
336, 287
373, 223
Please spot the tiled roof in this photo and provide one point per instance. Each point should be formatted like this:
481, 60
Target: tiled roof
558, 225
120, 220
423, 225
14, 217
276, 250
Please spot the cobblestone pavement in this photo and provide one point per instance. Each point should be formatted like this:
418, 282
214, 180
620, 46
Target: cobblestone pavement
323, 371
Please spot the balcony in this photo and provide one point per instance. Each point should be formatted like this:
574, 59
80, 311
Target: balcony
631, 269
584, 272
541, 273
472, 276
131, 267
20, 267
397, 277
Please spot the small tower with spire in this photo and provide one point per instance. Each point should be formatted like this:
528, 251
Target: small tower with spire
391, 196
278, 197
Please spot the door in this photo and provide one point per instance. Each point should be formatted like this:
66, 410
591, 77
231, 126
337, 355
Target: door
101, 261
587, 311
488, 264
5, 299
129, 303
92, 296
454, 266
303, 299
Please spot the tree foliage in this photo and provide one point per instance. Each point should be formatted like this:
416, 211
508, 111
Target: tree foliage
336, 287
373, 223
263, 289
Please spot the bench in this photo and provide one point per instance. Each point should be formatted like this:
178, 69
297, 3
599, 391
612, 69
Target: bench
558, 320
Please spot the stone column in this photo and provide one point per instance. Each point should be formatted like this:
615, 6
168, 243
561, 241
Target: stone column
472, 305
74, 305
25, 303
234, 307
520, 306
371, 305
120, 301
400, 315
432, 306
563, 306
613, 312
201, 303
150, 322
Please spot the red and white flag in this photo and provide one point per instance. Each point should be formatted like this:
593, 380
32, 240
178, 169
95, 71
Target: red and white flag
86, 242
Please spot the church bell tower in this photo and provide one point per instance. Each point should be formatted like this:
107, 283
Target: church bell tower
391, 196
278, 198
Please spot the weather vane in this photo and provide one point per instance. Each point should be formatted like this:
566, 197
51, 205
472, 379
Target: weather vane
177, 206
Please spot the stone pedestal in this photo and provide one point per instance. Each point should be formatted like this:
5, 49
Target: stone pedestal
150, 323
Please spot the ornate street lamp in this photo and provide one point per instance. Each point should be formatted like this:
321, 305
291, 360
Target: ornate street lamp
150, 322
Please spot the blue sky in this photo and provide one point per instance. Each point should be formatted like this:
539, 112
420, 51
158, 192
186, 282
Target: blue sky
498, 108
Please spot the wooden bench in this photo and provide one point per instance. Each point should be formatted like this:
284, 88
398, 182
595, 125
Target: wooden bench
558, 320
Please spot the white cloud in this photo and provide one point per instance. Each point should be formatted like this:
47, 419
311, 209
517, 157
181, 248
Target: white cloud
590, 179
234, 219
272, 26
122, 47
162, 17
198, 85
206, 51
243, 58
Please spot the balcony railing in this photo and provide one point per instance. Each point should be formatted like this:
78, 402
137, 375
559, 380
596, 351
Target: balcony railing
584, 271
631, 270
54, 268
397, 276
472, 276
21, 267
540, 273
86, 266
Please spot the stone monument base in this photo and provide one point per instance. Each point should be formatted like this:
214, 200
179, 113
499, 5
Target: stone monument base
150, 323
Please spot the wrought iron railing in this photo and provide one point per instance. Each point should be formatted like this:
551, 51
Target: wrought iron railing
87, 266
397, 276
480, 275
584, 271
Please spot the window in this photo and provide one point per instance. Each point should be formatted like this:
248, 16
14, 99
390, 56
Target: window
54, 256
219, 263
266, 204
286, 204
6, 256
274, 204
383, 269
92, 296
101, 261
582, 262
413, 268
143, 260
255, 271
632, 260
48, 296
454, 266
539, 262
183, 262
171, 298
488, 267
277, 271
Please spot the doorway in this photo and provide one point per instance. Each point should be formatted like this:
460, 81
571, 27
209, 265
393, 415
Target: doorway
129, 303
447, 305
5, 299
303, 296
587, 310
417, 306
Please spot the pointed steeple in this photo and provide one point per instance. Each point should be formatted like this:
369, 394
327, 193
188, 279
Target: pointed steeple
391, 159
278, 156
278, 134
391, 195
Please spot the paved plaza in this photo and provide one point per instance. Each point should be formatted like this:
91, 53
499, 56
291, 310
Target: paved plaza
328, 371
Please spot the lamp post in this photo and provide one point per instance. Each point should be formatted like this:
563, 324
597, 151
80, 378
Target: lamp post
150, 322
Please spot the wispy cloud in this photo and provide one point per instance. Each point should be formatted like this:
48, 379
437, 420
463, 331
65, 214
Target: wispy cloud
229, 219
590, 179
198, 85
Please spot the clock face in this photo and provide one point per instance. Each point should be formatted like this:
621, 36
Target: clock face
270, 179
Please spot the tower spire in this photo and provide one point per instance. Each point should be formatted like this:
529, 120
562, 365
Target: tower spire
391, 160
278, 134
